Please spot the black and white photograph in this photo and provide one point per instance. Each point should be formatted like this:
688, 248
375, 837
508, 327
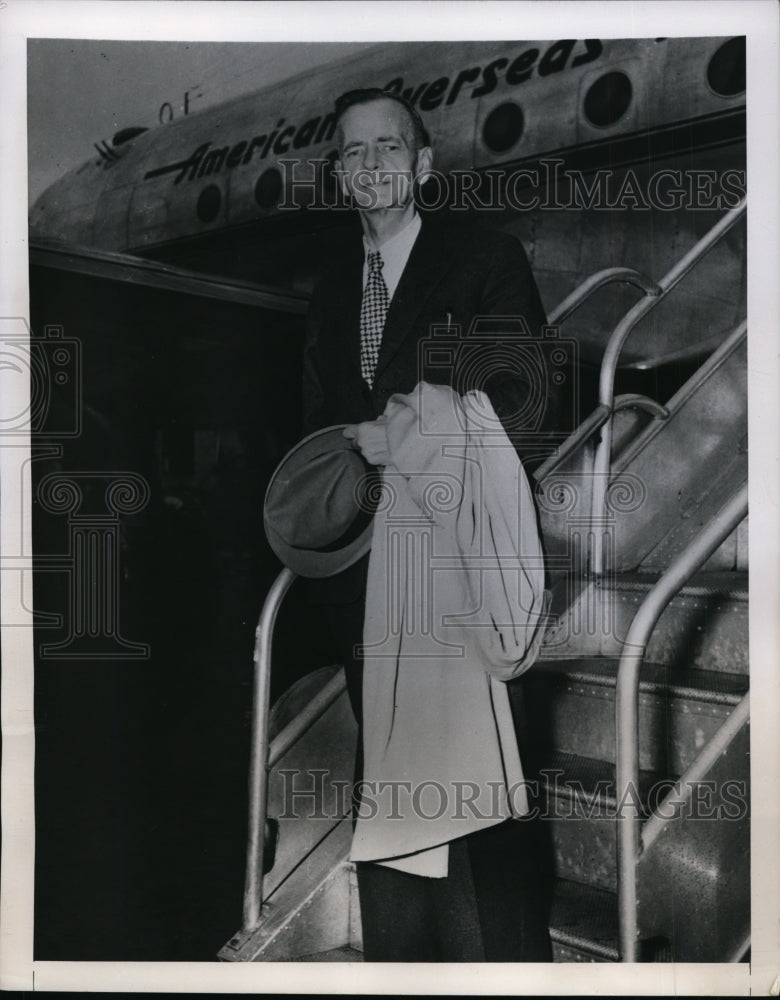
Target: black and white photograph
389, 475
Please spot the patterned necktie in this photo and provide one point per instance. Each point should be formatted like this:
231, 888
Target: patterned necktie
372, 316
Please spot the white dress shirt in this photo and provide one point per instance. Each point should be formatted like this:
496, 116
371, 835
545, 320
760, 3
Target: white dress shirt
395, 253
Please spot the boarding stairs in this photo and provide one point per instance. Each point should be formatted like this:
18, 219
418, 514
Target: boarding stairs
634, 721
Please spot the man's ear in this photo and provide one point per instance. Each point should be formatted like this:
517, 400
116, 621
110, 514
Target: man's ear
424, 164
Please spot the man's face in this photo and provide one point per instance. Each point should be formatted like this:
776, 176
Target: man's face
376, 156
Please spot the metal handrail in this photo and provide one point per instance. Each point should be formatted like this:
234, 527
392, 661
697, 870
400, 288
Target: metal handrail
264, 753
589, 426
601, 461
627, 708
638, 401
564, 309
593, 422
609, 276
258, 758
739, 953
306, 718
696, 772
705, 371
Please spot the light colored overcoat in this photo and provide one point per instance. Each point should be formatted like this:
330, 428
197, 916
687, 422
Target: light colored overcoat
454, 606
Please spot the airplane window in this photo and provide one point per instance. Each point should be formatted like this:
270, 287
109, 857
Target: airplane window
503, 127
607, 99
268, 188
209, 201
726, 71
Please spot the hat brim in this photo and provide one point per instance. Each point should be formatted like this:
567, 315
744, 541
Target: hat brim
315, 563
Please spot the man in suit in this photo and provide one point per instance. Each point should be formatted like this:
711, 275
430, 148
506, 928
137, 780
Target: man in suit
370, 320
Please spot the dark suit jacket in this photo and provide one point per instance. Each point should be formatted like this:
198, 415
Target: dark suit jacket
466, 313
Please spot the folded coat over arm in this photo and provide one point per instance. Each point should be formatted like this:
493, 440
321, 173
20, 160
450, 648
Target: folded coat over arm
455, 606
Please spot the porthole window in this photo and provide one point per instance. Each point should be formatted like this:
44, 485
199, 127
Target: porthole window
209, 201
503, 127
607, 99
268, 188
726, 71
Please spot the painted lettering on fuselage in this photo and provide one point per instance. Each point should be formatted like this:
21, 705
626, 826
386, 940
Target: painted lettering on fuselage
428, 95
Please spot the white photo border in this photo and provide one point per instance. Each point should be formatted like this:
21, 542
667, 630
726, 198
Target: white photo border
207, 21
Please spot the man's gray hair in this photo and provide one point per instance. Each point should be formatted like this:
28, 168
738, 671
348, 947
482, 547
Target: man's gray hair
417, 134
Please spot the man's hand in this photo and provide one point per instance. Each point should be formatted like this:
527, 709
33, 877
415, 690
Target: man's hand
370, 438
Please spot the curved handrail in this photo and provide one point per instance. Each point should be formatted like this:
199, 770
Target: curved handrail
654, 292
610, 275
589, 425
601, 461
307, 716
627, 707
258, 759
638, 401
593, 422
564, 309
705, 371
672, 277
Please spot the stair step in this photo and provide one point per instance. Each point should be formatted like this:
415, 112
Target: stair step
583, 923
655, 678
569, 705
308, 913
705, 626
588, 781
583, 928
659, 498
708, 421
725, 584
732, 585
577, 806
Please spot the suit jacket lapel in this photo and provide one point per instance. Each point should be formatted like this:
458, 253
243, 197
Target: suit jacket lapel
427, 263
347, 292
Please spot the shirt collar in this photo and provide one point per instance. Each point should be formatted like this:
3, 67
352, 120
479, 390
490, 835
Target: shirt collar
402, 241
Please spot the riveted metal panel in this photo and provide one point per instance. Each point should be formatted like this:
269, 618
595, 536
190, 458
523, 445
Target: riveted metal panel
704, 854
571, 707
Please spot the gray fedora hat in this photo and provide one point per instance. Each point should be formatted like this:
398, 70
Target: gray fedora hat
317, 511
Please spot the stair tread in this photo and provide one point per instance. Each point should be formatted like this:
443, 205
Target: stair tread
704, 685
585, 918
727, 584
581, 917
712, 586
583, 777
